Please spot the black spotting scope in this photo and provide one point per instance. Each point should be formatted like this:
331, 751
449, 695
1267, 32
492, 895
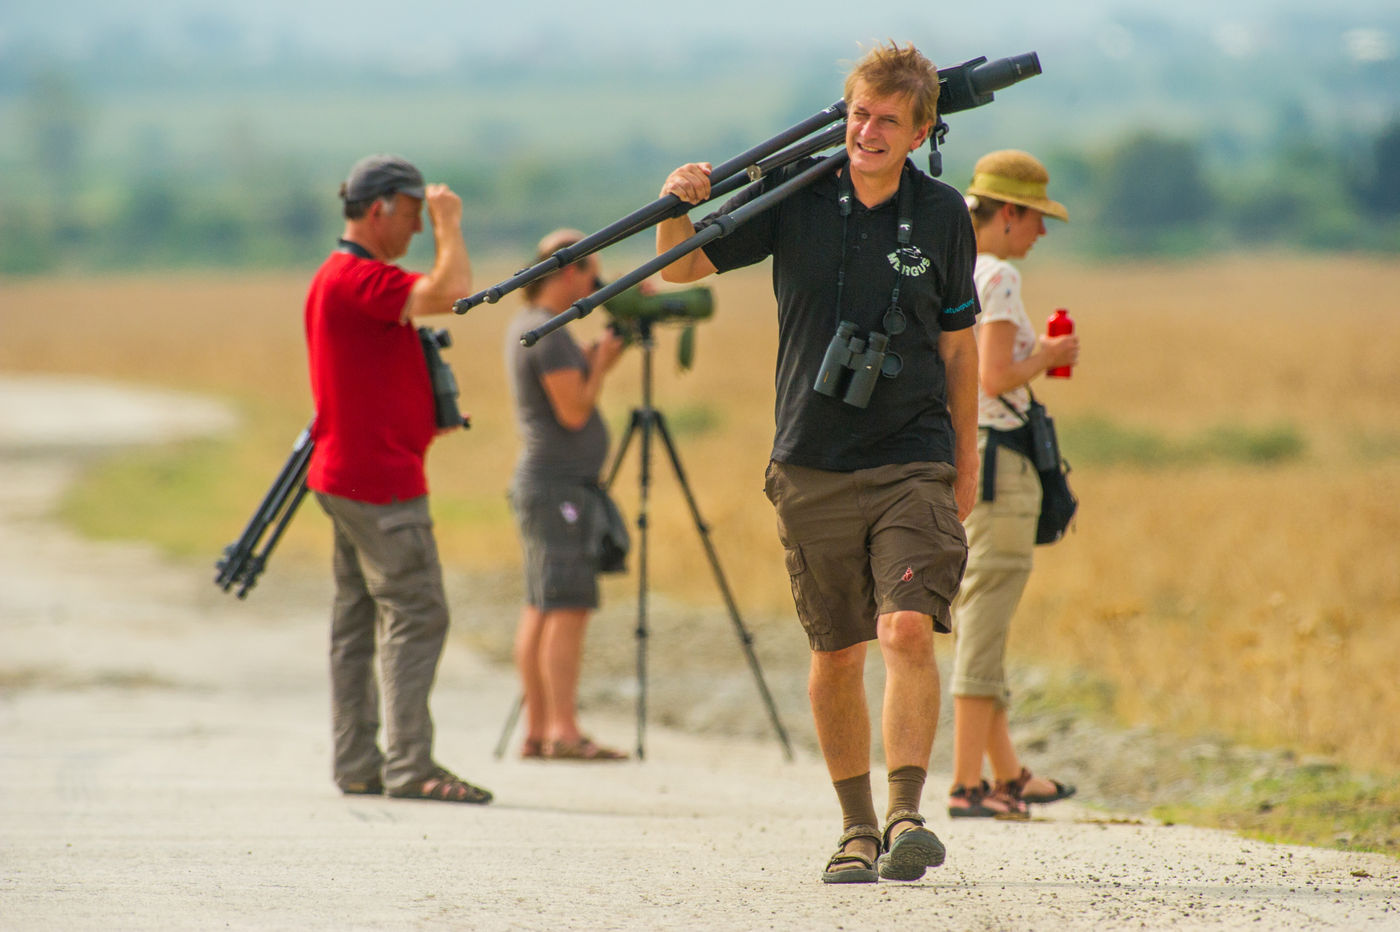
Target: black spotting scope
972, 83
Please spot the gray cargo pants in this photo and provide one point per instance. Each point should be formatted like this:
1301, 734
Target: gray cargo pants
389, 596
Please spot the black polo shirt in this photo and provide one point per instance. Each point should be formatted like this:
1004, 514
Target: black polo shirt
907, 418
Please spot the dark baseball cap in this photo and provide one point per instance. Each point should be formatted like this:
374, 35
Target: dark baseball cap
381, 175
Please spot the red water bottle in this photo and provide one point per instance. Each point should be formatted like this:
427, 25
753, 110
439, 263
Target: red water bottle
1060, 324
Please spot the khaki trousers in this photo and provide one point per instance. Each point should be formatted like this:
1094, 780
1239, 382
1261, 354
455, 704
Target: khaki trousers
389, 601
1000, 545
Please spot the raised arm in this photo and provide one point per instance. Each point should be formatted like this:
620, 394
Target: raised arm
451, 274
690, 183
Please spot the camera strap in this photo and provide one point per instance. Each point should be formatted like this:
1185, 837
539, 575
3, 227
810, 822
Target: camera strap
904, 231
353, 248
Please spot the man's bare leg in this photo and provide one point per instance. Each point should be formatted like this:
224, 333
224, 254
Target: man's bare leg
836, 688
910, 718
910, 715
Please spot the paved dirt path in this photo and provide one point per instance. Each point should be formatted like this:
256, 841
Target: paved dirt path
163, 753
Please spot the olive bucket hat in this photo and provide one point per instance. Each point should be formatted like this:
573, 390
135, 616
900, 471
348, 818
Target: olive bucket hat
1014, 177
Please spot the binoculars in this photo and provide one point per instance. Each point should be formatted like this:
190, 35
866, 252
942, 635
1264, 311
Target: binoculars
444, 383
863, 360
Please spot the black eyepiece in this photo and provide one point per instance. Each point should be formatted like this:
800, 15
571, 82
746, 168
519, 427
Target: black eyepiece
971, 84
1004, 72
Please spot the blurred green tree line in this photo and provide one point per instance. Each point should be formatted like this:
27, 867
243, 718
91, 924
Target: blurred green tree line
1144, 193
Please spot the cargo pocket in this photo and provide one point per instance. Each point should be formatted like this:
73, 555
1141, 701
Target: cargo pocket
815, 620
567, 580
944, 572
1011, 520
411, 547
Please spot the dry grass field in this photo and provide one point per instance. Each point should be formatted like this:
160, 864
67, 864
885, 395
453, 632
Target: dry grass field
1234, 427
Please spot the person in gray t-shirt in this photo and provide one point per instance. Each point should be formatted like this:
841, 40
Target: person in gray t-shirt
557, 501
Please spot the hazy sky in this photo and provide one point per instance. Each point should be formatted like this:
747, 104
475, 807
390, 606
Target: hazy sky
455, 30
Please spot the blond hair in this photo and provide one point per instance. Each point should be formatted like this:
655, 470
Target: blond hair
891, 71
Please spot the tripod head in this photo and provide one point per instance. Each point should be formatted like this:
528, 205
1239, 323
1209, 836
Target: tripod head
972, 84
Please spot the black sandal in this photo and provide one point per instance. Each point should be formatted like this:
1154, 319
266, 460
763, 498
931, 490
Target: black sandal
907, 855
864, 872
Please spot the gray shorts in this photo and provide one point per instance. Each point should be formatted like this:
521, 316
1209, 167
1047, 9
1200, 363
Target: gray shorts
557, 522
866, 543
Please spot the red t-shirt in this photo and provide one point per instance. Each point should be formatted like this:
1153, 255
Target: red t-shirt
369, 383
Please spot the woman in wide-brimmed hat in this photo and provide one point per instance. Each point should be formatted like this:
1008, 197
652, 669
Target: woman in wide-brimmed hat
1008, 202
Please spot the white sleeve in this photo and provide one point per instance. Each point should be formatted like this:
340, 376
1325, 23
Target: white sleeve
1000, 295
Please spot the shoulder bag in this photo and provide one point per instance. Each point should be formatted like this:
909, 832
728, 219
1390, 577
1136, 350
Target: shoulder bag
1057, 501
611, 542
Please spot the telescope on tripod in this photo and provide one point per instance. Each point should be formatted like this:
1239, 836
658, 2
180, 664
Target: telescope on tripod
962, 87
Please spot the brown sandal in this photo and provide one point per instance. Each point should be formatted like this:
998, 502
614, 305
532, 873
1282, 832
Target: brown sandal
1017, 789
983, 802
532, 749
910, 853
444, 786
582, 749
864, 869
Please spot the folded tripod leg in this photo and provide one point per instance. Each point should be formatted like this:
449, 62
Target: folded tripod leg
241, 562
257, 563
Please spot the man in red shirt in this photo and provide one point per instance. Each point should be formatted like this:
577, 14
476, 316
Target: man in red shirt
374, 422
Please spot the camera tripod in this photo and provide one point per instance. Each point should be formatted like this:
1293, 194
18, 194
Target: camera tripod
646, 421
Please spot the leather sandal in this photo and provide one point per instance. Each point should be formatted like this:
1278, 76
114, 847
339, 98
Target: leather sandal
445, 786
1017, 788
907, 855
983, 802
582, 749
864, 869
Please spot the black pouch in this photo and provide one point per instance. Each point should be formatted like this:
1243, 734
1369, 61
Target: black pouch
1045, 449
1057, 501
612, 541
1057, 504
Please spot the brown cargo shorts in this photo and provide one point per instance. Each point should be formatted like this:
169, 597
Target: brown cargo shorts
865, 543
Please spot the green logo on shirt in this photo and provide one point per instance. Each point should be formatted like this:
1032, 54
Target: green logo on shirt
907, 260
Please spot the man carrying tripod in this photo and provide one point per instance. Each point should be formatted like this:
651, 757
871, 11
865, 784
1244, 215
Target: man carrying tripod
875, 457
374, 421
